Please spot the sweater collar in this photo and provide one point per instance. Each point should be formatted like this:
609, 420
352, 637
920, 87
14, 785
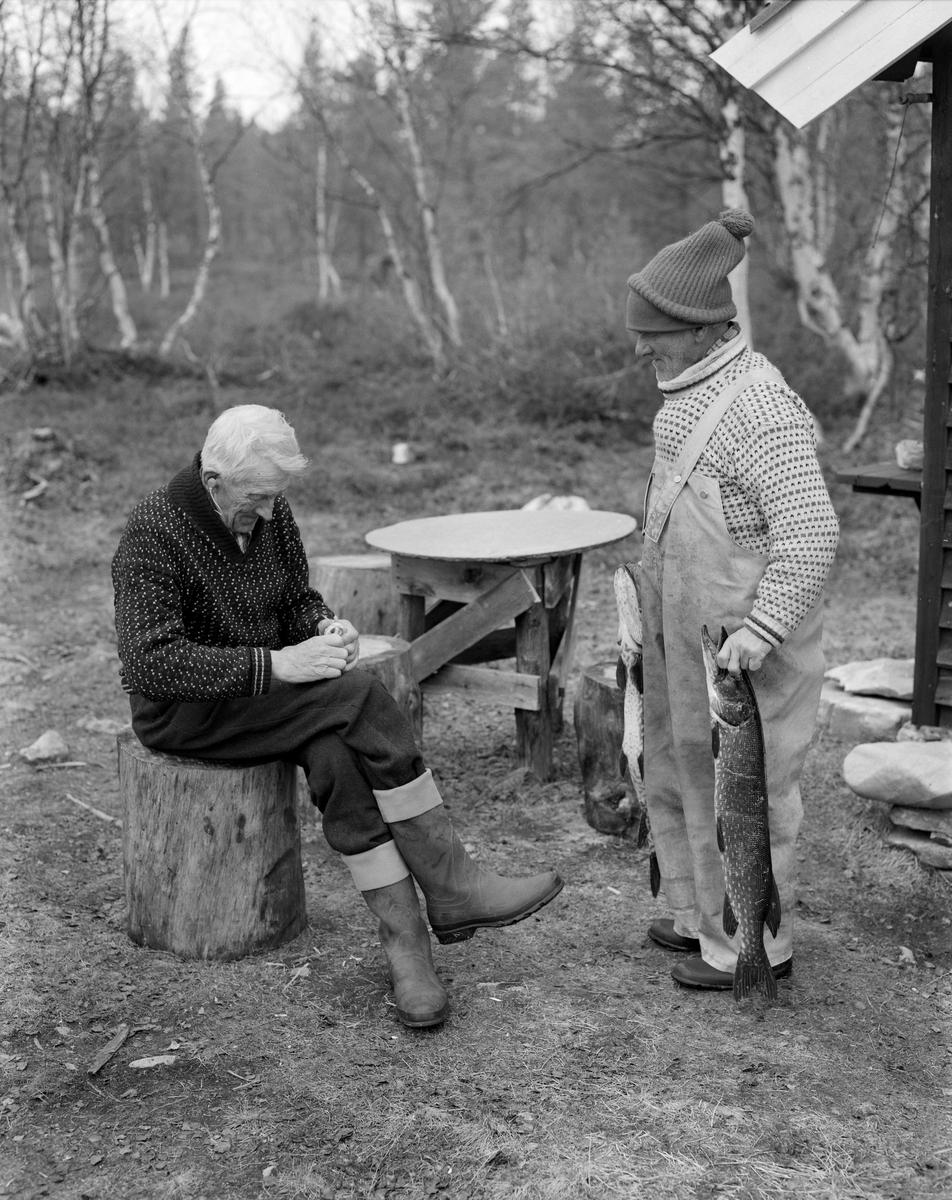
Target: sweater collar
721, 353
187, 492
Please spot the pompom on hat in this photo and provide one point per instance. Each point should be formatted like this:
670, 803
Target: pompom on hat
685, 285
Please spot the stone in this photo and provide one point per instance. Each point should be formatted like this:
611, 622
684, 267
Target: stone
887, 677
936, 822
850, 718
561, 503
910, 774
923, 733
48, 747
933, 854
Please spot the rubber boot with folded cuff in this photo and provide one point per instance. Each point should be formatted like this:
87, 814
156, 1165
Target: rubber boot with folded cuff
389, 892
461, 897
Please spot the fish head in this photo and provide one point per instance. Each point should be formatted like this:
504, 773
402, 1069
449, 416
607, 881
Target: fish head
628, 599
729, 695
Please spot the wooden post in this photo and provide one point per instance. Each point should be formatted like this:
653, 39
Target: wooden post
599, 726
211, 853
935, 541
534, 729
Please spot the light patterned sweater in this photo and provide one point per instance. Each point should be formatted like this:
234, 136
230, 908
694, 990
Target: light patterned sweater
197, 618
763, 455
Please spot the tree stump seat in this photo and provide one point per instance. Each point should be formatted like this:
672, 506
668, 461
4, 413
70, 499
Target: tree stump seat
359, 588
211, 853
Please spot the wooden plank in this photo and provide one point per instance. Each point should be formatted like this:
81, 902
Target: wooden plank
944, 657
462, 581
934, 529
943, 691
947, 570
945, 613
556, 578
433, 649
508, 688
883, 475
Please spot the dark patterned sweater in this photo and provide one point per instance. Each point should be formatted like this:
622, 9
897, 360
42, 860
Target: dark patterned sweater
197, 619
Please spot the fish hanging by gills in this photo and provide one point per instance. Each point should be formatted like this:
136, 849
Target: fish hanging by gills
740, 808
630, 678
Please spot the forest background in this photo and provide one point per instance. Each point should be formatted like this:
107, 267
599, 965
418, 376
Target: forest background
459, 191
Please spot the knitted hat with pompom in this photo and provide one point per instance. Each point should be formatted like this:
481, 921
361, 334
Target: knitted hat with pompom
686, 282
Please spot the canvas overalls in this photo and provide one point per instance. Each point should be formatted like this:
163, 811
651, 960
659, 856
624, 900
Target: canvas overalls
694, 574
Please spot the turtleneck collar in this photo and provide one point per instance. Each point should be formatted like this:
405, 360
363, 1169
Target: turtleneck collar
187, 492
720, 354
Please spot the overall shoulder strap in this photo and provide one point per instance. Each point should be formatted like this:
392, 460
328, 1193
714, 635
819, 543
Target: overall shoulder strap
694, 447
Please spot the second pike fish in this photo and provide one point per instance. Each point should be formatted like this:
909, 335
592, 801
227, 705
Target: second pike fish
630, 678
740, 806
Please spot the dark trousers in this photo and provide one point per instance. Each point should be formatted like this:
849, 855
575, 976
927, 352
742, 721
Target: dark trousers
347, 733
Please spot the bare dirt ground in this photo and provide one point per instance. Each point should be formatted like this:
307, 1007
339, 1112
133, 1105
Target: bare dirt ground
571, 1066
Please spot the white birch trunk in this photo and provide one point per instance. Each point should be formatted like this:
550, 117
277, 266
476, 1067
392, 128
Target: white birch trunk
162, 249
805, 194
212, 245
733, 156
63, 296
145, 255
128, 334
328, 281
427, 214
27, 319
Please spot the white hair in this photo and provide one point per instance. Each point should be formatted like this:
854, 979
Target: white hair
247, 437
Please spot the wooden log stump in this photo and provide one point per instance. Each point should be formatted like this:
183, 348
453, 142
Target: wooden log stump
358, 587
388, 658
211, 853
599, 725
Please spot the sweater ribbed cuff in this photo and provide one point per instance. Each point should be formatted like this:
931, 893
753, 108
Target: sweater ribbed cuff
768, 630
259, 670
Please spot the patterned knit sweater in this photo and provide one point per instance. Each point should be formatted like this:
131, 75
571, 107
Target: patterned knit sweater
763, 455
197, 619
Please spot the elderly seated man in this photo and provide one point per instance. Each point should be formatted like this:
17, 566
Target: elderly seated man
227, 654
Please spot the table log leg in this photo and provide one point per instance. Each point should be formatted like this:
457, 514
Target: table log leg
412, 616
534, 729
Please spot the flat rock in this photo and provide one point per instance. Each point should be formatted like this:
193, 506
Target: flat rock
936, 822
850, 718
910, 774
887, 677
48, 747
933, 854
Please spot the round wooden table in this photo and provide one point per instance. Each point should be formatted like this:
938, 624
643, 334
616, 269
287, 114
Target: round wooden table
480, 572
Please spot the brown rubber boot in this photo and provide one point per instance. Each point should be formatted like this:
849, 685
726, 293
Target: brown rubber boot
460, 896
419, 995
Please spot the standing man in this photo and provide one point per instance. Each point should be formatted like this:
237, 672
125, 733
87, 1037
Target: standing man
738, 531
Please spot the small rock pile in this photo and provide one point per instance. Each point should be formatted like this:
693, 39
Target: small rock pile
866, 701
913, 775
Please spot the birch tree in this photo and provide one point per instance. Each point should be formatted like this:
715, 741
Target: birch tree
808, 185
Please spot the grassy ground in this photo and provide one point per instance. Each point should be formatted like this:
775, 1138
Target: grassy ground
571, 1066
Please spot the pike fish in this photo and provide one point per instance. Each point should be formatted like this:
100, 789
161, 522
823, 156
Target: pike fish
630, 677
740, 806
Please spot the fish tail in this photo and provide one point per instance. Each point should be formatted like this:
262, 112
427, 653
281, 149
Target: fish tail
754, 976
654, 874
644, 830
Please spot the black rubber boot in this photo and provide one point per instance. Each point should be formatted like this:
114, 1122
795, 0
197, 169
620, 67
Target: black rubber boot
418, 993
460, 896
